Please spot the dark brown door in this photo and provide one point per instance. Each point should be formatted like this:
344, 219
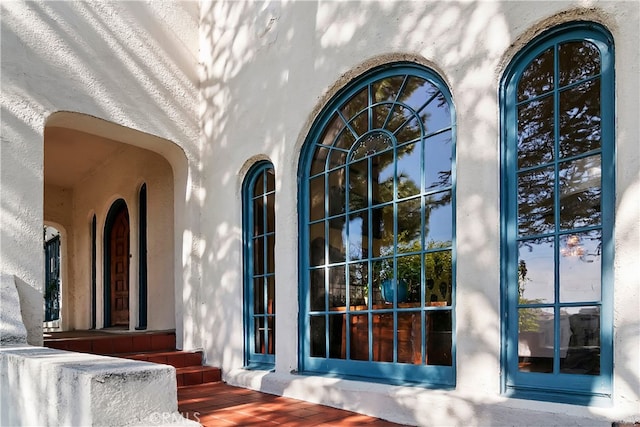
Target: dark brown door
119, 256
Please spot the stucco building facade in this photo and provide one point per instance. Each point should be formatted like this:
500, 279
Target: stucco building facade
209, 130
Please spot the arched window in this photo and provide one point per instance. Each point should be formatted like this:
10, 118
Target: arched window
558, 202
377, 230
259, 283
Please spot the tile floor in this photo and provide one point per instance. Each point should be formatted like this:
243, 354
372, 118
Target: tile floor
220, 405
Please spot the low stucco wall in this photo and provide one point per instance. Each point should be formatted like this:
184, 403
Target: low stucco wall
42, 386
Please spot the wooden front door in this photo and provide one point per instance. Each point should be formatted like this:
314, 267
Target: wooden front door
119, 269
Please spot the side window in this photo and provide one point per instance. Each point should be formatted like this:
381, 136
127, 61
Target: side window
259, 288
557, 103
377, 230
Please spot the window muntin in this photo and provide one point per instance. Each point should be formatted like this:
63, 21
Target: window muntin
259, 237
557, 233
377, 232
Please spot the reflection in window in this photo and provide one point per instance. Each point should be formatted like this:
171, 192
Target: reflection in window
558, 127
259, 239
379, 224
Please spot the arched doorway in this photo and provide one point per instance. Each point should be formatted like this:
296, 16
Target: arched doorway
116, 238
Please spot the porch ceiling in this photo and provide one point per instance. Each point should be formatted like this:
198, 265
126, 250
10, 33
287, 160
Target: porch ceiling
70, 155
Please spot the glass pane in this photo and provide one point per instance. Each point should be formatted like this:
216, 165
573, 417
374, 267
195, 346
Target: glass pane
258, 256
358, 285
259, 335
536, 272
271, 242
580, 190
318, 343
331, 130
317, 290
318, 164
258, 296
436, 116
271, 333
439, 338
410, 274
399, 115
437, 161
271, 295
372, 143
337, 338
360, 124
258, 189
409, 338
417, 92
380, 270
337, 287
409, 170
386, 89
359, 337
345, 141
337, 158
580, 266
578, 60
317, 246
409, 226
535, 202
358, 239
336, 192
580, 341
271, 179
271, 213
382, 331
535, 339
438, 276
316, 198
410, 131
382, 230
580, 129
337, 240
535, 132
357, 103
381, 115
382, 170
537, 78
258, 216
358, 185
438, 220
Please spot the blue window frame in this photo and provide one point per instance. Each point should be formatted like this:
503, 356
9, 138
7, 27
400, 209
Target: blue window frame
259, 282
557, 216
377, 254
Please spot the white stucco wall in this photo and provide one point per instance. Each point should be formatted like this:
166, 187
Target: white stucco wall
131, 63
267, 70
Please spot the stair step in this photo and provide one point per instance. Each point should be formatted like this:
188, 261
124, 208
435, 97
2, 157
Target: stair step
194, 375
176, 358
110, 344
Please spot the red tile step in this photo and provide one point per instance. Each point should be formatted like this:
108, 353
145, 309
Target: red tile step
111, 343
176, 358
194, 375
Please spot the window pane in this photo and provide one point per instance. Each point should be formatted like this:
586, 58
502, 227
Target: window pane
358, 185
271, 332
536, 271
386, 89
258, 216
258, 296
336, 192
271, 213
258, 188
318, 344
337, 339
409, 131
259, 335
380, 271
382, 114
417, 92
578, 60
357, 103
359, 337
317, 290
358, 239
332, 129
580, 190
360, 124
271, 180
438, 276
338, 157
438, 220
382, 331
382, 230
317, 246
537, 78
535, 339
580, 266
582, 356
271, 295
409, 220
337, 287
337, 240
258, 256
319, 160
382, 170
316, 198
409, 338
580, 119
358, 285
410, 272
436, 115
409, 169
535, 133
535, 202
437, 161
270, 252
439, 338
